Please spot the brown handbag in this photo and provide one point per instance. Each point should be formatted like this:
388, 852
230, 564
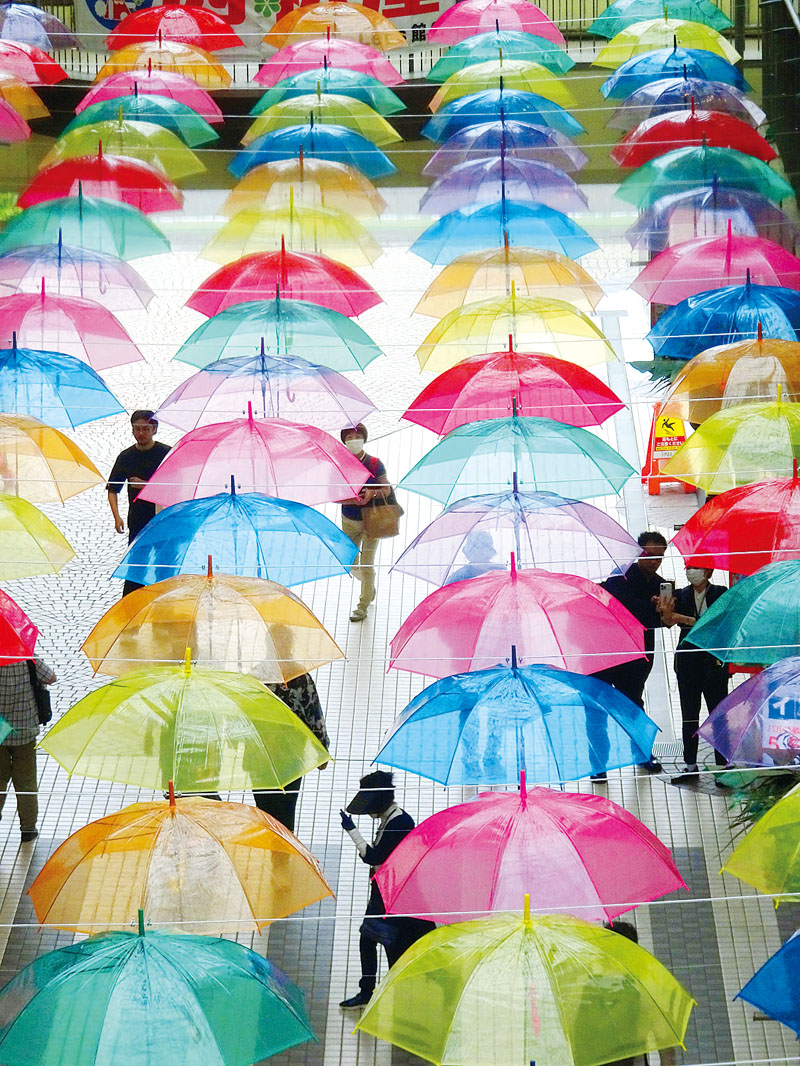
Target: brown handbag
381, 518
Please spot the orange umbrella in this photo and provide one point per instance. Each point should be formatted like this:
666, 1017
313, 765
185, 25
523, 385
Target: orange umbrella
184, 59
21, 96
355, 22
40, 463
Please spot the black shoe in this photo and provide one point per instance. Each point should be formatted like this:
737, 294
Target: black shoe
600, 778
652, 766
360, 999
27, 835
690, 772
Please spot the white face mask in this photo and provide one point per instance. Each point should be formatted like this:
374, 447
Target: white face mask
355, 444
695, 576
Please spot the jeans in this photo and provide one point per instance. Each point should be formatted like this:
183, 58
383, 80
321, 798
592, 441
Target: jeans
18, 765
364, 567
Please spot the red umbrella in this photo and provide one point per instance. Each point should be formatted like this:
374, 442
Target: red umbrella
491, 386
110, 177
30, 64
160, 83
297, 275
326, 52
17, 632
746, 528
680, 129
190, 25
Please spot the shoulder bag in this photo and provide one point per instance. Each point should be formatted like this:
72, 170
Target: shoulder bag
44, 710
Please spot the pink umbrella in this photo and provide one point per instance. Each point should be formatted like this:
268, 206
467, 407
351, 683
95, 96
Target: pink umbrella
30, 64
13, 127
311, 55
159, 82
272, 456
470, 17
558, 619
573, 853
716, 263
66, 324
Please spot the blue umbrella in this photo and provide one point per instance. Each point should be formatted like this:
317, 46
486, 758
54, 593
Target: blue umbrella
774, 989
493, 104
523, 140
246, 534
318, 141
670, 62
58, 389
485, 726
505, 44
485, 226
339, 80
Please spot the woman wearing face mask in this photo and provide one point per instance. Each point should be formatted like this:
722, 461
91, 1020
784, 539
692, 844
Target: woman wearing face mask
354, 438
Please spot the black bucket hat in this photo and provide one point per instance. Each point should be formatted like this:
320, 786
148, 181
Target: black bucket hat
375, 794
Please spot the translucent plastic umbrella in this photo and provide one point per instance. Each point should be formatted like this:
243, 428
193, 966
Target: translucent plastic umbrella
247, 534
672, 62
164, 111
520, 990
232, 870
502, 104
158, 82
310, 55
333, 80
143, 991
336, 20
13, 127
170, 56
458, 23
479, 857
30, 544
322, 142
28, 24
147, 141
533, 273
680, 129
18, 634
523, 140
773, 988
283, 328
518, 74
304, 229
330, 109
233, 623
542, 529
30, 64
120, 178
41, 463
16, 92
196, 26
658, 33
306, 181
621, 14
542, 453
548, 326
273, 456
767, 857
483, 180
676, 93
510, 44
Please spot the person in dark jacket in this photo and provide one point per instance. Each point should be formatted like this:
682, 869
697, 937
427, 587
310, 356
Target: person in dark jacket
376, 798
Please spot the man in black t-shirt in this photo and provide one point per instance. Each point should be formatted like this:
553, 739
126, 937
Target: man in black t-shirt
136, 465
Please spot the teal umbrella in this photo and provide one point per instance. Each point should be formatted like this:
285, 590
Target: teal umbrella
501, 44
623, 13
533, 454
147, 998
337, 80
163, 111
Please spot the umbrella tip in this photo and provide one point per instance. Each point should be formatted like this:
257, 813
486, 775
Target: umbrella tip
514, 483
513, 565
526, 910
210, 567
141, 922
760, 332
187, 659
523, 792
514, 661
249, 419
233, 493
171, 790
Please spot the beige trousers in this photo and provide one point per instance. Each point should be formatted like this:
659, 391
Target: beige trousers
18, 765
364, 567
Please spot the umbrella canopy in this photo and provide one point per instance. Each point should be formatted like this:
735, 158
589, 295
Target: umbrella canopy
233, 623
322, 142
621, 14
246, 534
658, 33
30, 64
504, 105
672, 62
739, 445
679, 129
542, 529
41, 463
16, 92
543, 454
13, 127
664, 95
338, 53
18, 634
491, 273
457, 23
558, 619
487, 225
773, 988
155, 82
275, 385
508, 44
503, 74
336, 20
170, 56
494, 385
545, 989
28, 24
290, 327
273, 456
165, 111
307, 182
122, 178
233, 869
484, 180
549, 326
196, 26
522, 140
143, 991
330, 109
768, 856
29, 542
481, 856
337, 80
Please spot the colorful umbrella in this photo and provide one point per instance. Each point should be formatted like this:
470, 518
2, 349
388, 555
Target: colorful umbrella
157, 82
16, 92
41, 463
457, 23
646, 37
510, 44
276, 385
773, 988
532, 384
302, 228
246, 534
290, 327
543, 454
545, 989
196, 26
548, 326
339, 53
307, 182
542, 529
120, 178
500, 104
142, 992
29, 542
178, 118
336, 20
170, 56
523, 140
767, 857
13, 127
672, 62
336, 143
621, 14
664, 95
679, 129
18, 634
330, 109
484, 180
533, 273
481, 856
333, 80
504, 74
28, 24
30, 64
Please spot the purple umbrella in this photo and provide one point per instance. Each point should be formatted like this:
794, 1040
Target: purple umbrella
482, 181
676, 94
28, 24
523, 140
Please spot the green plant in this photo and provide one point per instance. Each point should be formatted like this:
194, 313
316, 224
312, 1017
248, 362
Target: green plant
760, 796
8, 206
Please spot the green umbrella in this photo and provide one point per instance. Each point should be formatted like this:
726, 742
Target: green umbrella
86, 222
505, 44
623, 13
333, 80
147, 998
688, 168
159, 110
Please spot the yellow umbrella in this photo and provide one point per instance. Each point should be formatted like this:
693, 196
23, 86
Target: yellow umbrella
479, 275
147, 141
29, 542
21, 97
306, 229
41, 463
179, 58
224, 868
654, 34
331, 109
549, 326
310, 182
355, 22
516, 74
232, 623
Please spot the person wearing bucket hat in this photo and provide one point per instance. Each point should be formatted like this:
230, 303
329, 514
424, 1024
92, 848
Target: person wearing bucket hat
375, 797
354, 438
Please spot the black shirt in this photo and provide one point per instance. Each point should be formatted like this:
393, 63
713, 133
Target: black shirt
635, 590
136, 462
376, 470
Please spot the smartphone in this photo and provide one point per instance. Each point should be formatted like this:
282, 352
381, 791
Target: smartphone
665, 592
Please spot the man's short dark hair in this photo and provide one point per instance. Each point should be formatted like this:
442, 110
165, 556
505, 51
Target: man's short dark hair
360, 429
145, 416
651, 536
626, 929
